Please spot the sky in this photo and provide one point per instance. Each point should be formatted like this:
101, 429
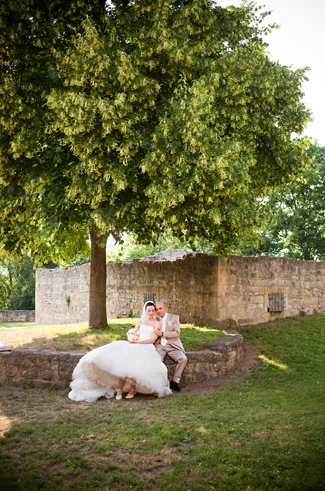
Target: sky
299, 42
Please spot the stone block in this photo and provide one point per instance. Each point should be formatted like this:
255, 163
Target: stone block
31, 374
232, 355
47, 375
10, 371
257, 299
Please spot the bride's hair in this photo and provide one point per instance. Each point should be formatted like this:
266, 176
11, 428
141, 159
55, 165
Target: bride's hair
149, 304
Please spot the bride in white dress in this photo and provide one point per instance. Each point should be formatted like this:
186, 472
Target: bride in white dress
123, 366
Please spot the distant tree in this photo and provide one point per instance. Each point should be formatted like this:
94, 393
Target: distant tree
17, 279
130, 248
17, 283
157, 115
4, 283
295, 215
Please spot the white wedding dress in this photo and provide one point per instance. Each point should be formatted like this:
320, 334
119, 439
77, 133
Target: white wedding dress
98, 372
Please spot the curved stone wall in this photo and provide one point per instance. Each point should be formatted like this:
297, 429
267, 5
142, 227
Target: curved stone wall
26, 365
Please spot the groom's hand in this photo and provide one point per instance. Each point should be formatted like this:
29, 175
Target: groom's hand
157, 332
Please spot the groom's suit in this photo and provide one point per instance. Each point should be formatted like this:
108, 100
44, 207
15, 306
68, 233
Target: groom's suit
173, 347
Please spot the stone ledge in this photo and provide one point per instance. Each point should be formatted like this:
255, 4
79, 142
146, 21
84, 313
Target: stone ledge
41, 367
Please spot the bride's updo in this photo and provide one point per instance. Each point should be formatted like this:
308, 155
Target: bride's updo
149, 304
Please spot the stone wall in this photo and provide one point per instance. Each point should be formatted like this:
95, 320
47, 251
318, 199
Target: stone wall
245, 283
199, 287
46, 367
17, 315
187, 285
61, 295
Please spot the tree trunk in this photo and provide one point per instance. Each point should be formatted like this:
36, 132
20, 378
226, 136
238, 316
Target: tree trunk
97, 288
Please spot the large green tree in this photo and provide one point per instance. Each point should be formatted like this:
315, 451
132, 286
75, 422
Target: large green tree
295, 215
156, 115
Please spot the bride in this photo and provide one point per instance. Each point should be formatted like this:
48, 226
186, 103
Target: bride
123, 366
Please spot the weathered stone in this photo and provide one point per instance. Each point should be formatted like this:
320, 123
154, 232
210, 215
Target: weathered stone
17, 315
227, 343
198, 287
47, 375
26, 364
31, 373
5, 348
10, 371
232, 356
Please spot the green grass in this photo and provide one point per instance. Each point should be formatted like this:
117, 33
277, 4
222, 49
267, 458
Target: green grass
16, 324
263, 433
81, 337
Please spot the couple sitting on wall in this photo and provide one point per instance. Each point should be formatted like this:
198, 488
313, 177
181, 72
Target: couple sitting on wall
135, 365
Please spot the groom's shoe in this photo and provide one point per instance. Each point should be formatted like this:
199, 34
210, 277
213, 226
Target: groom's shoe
174, 386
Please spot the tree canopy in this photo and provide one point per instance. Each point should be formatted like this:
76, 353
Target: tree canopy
295, 215
152, 115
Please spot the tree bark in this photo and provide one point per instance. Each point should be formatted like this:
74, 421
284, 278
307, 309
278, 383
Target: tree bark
97, 288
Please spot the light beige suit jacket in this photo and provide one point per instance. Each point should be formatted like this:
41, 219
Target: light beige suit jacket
172, 331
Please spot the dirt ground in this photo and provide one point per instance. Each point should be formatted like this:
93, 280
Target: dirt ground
18, 410
250, 359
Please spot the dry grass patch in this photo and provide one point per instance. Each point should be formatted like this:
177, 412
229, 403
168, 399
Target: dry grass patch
38, 336
80, 336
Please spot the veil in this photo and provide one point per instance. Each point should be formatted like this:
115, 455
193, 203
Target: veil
144, 316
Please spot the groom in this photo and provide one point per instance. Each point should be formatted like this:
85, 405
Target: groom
169, 343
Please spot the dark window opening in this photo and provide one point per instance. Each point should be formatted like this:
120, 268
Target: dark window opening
149, 297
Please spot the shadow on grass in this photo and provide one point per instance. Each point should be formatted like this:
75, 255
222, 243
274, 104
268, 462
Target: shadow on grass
264, 433
84, 338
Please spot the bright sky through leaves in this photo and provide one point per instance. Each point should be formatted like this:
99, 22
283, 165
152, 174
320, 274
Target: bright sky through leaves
299, 42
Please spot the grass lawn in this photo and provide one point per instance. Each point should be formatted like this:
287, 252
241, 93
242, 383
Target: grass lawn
10, 325
265, 432
81, 337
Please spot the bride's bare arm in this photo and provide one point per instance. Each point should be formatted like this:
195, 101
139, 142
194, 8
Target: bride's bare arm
148, 341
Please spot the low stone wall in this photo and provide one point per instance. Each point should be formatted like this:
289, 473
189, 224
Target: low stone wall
41, 367
17, 315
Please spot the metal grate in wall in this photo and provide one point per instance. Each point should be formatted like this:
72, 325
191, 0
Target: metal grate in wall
276, 302
149, 297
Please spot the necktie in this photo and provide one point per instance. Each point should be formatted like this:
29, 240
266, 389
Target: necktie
163, 327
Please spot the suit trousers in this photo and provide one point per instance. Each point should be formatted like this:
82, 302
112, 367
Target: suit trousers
176, 355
